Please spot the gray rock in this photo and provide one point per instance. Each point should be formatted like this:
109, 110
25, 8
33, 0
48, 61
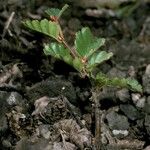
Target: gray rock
147, 124
146, 80
131, 112
3, 124
147, 148
117, 121
147, 105
44, 131
138, 100
30, 144
6, 144
141, 102
14, 99
52, 88
123, 95
120, 133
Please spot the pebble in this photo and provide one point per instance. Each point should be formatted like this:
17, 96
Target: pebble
123, 95
120, 133
14, 98
44, 131
147, 148
146, 80
147, 105
147, 124
117, 121
138, 100
130, 111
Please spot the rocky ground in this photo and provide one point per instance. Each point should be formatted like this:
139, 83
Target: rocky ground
46, 105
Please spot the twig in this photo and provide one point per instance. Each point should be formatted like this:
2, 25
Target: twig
7, 24
129, 144
95, 97
63, 139
71, 50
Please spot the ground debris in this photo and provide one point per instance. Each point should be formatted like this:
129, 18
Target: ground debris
72, 131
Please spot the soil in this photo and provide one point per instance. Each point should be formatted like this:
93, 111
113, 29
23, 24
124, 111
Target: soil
46, 105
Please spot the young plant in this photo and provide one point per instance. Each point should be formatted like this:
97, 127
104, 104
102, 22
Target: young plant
84, 57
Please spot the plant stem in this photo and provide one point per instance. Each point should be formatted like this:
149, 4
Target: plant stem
71, 50
97, 112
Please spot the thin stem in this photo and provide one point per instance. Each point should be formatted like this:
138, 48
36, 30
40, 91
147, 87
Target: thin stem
98, 114
71, 50
74, 55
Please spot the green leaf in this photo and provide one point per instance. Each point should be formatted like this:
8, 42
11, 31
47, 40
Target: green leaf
44, 26
103, 80
86, 44
77, 64
134, 85
58, 51
98, 58
56, 12
52, 11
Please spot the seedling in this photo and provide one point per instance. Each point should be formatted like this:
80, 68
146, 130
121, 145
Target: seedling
86, 54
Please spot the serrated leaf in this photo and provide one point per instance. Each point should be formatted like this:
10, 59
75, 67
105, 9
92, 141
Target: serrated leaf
58, 51
134, 85
103, 80
86, 44
77, 64
44, 26
48, 50
52, 11
36, 25
56, 12
98, 58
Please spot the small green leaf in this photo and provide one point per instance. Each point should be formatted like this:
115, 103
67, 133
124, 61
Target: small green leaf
98, 58
134, 85
52, 11
36, 25
103, 80
86, 44
49, 50
77, 64
58, 51
56, 12
44, 26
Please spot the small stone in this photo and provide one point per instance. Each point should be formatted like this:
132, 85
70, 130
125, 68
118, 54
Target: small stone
147, 105
123, 95
3, 124
147, 124
138, 100
44, 131
135, 97
117, 121
120, 133
146, 80
6, 144
131, 112
147, 148
52, 88
14, 98
141, 102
